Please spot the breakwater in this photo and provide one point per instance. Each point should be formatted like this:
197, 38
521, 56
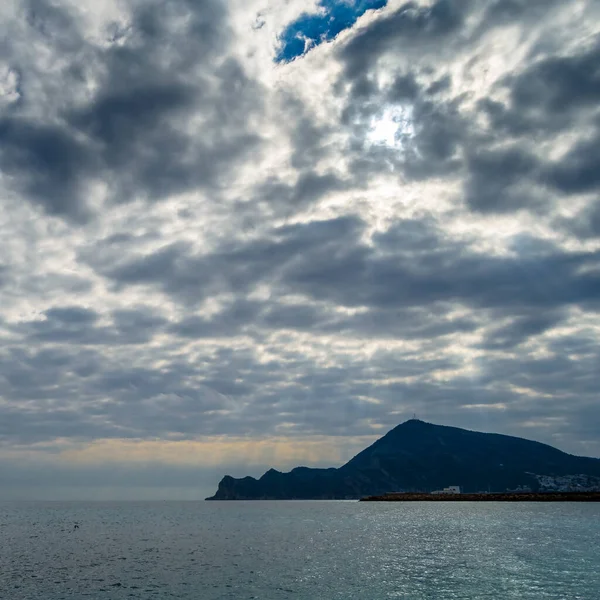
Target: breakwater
491, 497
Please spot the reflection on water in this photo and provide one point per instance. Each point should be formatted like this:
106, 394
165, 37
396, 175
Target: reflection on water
316, 550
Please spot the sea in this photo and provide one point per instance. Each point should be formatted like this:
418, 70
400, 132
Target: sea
299, 550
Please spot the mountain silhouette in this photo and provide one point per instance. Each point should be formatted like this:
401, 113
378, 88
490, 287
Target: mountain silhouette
421, 457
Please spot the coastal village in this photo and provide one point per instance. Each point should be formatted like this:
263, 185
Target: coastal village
568, 483
547, 484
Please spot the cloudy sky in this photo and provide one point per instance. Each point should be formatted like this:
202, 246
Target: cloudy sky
264, 232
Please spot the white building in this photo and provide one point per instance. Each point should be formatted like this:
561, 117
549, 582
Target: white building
451, 489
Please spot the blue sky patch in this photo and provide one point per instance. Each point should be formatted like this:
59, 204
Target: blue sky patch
310, 30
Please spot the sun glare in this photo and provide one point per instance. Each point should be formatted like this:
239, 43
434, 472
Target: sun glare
391, 127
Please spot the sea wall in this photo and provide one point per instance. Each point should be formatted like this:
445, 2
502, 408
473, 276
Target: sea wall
500, 497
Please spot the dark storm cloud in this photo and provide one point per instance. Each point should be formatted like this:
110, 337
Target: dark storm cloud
133, 131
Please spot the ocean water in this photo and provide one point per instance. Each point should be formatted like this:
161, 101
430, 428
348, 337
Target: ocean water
299, 550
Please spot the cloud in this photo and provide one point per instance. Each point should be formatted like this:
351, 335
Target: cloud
210, 255
577, 171
235, 267
485, 144
79, 325
557, 84
47, 164
122, 130
407, 29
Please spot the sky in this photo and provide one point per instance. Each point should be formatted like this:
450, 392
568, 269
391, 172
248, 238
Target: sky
250, 234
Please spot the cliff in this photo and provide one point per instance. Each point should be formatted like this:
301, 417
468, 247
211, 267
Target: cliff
420, 457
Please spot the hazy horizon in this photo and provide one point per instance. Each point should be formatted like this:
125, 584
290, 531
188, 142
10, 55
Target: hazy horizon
139, 483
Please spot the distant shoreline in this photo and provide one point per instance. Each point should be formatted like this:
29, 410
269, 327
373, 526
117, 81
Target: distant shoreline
491, 497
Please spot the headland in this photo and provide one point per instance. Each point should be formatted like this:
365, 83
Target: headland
417, 457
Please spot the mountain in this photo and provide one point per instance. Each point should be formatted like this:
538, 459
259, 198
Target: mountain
419, 456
